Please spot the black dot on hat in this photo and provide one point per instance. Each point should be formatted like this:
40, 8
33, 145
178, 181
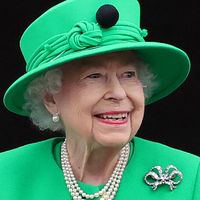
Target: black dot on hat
107, 16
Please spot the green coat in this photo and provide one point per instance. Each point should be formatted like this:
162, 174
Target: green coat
33, 172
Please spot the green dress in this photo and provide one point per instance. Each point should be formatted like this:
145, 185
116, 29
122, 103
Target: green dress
33, 172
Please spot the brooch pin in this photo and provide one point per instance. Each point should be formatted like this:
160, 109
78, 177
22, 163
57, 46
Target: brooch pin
156, 177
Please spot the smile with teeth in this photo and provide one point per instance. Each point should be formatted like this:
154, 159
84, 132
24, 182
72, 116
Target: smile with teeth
115, 118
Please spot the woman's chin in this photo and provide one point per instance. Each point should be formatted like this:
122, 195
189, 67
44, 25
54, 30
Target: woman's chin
112, 139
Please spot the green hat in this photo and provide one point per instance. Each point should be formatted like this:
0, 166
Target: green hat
79, 28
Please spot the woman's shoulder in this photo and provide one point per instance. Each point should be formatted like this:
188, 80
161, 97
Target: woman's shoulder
27, 153
162, 151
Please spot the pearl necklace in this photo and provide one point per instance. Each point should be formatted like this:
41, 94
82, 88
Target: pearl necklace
109, 191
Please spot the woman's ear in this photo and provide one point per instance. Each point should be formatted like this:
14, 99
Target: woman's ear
49, 103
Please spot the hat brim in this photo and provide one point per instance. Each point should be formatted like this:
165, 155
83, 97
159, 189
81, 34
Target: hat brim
168, 63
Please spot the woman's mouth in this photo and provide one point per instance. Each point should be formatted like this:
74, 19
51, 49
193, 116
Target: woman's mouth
113, 117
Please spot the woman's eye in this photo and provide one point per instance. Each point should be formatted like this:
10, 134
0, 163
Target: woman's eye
95, 75
129, 74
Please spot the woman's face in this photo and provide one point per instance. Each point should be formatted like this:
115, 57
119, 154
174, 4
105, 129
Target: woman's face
101, 99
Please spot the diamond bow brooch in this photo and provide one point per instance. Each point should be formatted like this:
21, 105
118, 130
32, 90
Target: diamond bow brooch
156, 177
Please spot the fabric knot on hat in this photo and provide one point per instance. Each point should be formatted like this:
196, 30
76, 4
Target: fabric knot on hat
83, 35
48, 47
144, 32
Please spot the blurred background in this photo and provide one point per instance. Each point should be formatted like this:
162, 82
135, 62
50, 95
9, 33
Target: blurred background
173, 121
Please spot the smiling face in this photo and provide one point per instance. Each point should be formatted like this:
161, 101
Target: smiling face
101, 99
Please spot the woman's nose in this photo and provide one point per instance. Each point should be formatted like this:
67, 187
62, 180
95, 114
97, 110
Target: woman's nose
114, 90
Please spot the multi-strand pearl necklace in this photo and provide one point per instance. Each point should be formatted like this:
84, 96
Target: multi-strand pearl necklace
108, 191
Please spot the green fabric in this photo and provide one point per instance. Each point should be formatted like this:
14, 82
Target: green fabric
61, 35
33, 172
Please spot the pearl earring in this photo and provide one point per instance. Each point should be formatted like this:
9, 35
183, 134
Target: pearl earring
55, 118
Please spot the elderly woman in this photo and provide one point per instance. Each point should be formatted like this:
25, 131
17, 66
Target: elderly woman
90, 74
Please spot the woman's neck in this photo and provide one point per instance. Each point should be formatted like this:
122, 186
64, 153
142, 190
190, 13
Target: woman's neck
90, 164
